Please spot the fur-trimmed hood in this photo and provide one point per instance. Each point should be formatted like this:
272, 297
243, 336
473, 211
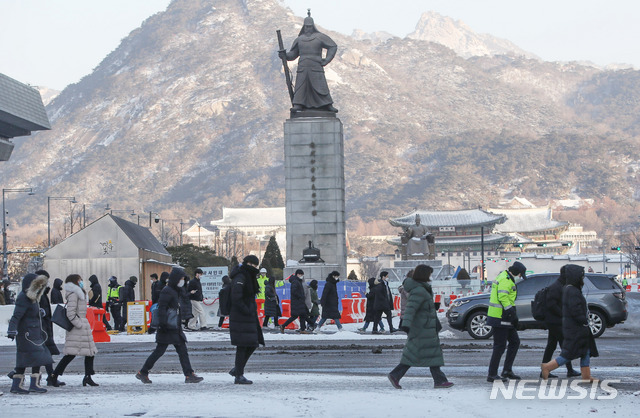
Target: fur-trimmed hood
74, 288
34, 286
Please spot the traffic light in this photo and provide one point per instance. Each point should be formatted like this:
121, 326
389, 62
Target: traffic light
566, 244
615, 248
542, 245
520, 245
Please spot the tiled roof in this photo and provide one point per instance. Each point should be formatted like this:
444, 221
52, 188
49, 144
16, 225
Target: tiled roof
528, 220
459, 218
21, 109
246, 217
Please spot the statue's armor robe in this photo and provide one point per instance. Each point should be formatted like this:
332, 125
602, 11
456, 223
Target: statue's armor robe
311, 89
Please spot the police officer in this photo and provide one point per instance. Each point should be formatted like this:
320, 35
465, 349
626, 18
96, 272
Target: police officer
113, 302
502, 316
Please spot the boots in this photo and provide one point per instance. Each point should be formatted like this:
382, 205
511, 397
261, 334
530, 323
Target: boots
88, 381
17, 383
35, 384
143, 377
547, 367
52, 380
585, 372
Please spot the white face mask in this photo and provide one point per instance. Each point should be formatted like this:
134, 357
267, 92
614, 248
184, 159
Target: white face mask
181, 283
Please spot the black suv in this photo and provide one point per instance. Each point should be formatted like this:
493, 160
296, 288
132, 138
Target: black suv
605, 299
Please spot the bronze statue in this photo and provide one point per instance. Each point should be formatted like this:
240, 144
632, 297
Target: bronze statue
419, 240
311, 91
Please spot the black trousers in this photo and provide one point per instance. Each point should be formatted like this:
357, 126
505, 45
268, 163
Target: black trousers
377, 316
242, 356
117, 317
221, 321
88, 365
183, 355
304, 319
437, 374
554, 338
123, 321
266, 321
502, 335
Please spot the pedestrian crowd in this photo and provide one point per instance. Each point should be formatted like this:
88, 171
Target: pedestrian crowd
177, 306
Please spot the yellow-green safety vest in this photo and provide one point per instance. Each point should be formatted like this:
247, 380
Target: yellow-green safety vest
503, 295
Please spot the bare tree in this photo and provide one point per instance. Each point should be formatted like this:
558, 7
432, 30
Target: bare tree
369, 267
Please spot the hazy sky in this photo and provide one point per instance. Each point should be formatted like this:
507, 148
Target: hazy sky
56, 42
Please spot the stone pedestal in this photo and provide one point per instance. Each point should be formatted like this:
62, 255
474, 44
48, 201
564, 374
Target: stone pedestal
314, 187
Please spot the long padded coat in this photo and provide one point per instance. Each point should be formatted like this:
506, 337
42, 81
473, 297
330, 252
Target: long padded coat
298, 298
244, 326
575, 324
79, 341
30, 341
271, 302
329, 299
423, 344
169, 299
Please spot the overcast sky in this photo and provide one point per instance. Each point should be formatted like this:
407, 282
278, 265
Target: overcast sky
56, 42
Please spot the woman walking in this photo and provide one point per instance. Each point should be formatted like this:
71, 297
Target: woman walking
315, 301
26, 327
271, 304
578, 339
79, 341
244, 326
47, 325
170, 329
420, 321
224, 297
329, 300
369, 315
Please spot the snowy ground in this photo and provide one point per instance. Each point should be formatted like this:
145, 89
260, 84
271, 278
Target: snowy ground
299, 395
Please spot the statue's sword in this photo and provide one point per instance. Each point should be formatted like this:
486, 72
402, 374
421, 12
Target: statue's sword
287, 75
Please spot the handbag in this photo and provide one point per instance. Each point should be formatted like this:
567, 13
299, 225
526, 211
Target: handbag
60, 318
172, 318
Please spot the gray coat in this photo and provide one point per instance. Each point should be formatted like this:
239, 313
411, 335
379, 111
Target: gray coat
79, 341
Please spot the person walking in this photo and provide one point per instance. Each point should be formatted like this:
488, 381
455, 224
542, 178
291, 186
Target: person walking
383, 303
155, 288
578, 340
113, 302
197, 307
224, 299
553, 321
299, 308
47, 326
422, 348
272, 303
56, 292
26, 327
95, 298
329, 300
186, 311
262, 283
404, 295
170, 329
244, 325
370, 312
79, 340
315, 301
8, 298
502, 316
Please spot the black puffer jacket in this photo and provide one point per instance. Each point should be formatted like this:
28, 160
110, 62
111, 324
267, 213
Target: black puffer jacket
271, 301
158, 286
329, 299
553, 312
26, 321
169, 300
575, 325
224, 295
244, 326
371, 299
383, 300
56, 292
96, 292
195, 284
47, 324
298, 298
127, 292
186, 311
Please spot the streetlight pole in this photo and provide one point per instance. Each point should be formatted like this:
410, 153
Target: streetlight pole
5, 272
71, 199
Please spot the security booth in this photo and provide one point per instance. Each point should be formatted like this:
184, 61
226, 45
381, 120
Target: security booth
110, 246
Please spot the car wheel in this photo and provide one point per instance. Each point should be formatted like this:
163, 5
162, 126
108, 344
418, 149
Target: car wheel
597, 323
477, 326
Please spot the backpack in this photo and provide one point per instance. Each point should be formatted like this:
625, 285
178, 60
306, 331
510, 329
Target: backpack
539, 304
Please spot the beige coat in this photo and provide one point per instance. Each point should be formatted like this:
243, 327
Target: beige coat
79, 340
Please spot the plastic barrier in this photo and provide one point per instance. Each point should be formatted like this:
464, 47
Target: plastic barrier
396, 303
260, 305
286, 314
94, 316
438, 299
356, 295
347, 311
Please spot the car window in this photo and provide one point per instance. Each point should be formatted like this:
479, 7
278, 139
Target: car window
603, 282
533, 284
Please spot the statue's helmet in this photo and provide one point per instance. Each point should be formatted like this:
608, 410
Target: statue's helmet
417, 217
308, 21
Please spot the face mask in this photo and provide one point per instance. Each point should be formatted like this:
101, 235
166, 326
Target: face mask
81, 285
181, 283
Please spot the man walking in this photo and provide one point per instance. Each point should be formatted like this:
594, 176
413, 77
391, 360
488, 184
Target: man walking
502, 316
299, 307
113, 302
196, 298
383, 302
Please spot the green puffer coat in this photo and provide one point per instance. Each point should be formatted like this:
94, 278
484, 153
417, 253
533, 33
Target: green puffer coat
423, 344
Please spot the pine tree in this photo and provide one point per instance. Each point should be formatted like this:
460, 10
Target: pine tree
352, 276
272, 259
